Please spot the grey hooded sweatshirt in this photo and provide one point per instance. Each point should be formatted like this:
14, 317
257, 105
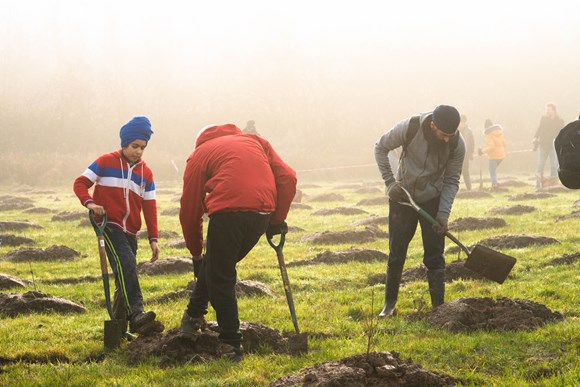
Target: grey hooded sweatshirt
426, 170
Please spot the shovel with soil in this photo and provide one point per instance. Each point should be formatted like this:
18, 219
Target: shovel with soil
297, 342
489, 263
112, 328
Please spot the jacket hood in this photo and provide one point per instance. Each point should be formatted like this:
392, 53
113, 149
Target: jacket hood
493, 128
211, 132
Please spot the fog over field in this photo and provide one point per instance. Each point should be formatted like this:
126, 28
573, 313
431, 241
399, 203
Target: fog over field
323, 80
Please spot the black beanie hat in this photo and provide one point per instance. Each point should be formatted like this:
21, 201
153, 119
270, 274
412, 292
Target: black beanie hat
446, 118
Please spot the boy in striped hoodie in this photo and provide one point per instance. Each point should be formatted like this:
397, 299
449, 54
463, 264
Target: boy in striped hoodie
123, 187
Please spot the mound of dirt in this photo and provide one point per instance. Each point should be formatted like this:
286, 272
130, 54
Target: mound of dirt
14, 240
573, 215
373, 369
513, 183
77, 280
503, 314
172, 348
295, 229
166, 192
516, 241
473, 195
166, 266
329, 197
469, 223
339, 211
369, 234
13, 304
177, 244
530, 196
16, 225
7, 282
566, 259
517, 209
376, 201
357, 255
300, 206
368, 190
372, 221
244, 288
38, 210
576, 203
557, 189
52, 253
9, 203
171, 211
163, 234
69, 215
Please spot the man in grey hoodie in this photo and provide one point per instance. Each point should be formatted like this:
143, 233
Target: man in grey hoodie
429, 169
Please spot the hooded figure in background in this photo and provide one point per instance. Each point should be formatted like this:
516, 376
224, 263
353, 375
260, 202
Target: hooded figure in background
494, 150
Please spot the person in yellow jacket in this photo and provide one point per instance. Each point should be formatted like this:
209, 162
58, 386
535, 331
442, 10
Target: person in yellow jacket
495, 149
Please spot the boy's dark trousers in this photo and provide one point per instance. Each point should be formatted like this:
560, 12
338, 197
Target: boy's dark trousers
230, 237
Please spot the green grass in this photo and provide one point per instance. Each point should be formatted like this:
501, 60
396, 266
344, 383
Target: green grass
330, 299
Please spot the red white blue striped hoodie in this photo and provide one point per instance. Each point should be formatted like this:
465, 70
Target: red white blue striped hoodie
123, 190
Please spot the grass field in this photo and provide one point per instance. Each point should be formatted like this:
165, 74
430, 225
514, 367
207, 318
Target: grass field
330, 299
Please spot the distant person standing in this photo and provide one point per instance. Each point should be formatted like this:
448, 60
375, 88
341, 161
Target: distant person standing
495, 149
251, 128
550, 125
467, 134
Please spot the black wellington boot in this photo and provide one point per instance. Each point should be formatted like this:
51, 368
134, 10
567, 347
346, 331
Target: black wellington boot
391, 291
436, 279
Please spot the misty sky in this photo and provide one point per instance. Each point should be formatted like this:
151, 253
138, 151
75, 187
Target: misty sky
322, 79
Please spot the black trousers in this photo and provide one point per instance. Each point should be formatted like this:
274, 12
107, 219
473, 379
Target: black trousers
230, 237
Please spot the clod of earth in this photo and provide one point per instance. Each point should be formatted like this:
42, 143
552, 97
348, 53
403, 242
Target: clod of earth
16, 225
339, 211
9, 203
369, 234
52, 253
300, 206
372, 369
377, 201
372, 221
530, 196
172, 348
295, 229
13, 304
517, 209
8, 281
503, 314
38, 210
69, 215
566, 259
330, 197
14, 240
171, 211
473, 195
177, 244
509, 241
573, 215
367, 190
469, 223
166, 266
576, 203
162, 234
352, 255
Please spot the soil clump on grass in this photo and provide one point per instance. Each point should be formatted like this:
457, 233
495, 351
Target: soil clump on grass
502, 314
300, 206
473, 195
369, 234
8, 281
573, 215
38, 210
244, 288
329, 197
163, 234
372, 369
171, 211
513, 183
509, 241
339, 211
166, 266
576, 203
65, 216
52, 253
377, 201
9, 203
173, 349
17, 225
14, 240
367, 190
566, 259
295, 229
469, 223
77, 280
372, 221
453, 271
13, 304
518, 209
177, 244
351, 255
530, 196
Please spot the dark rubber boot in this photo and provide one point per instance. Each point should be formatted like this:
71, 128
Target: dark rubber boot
436, 279
391, 291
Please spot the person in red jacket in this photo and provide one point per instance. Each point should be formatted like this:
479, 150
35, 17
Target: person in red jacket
246, 190
123, 187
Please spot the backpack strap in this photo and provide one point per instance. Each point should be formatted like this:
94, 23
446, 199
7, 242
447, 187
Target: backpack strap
414, 125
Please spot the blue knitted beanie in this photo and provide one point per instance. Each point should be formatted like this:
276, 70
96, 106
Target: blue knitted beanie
139, 128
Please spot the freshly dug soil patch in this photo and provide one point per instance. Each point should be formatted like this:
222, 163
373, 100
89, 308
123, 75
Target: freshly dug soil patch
473, 195
573, 215
513, 183
295, 229
171, 211
166, 266
172, 348
516, 241
244, 288
530, 196
16, 225
374, 369
557, 189
163, 234
166, 192
69, 215
38, 210
576, 203
469, 223
14, 240
77, 280
503, 314
368, 190
13, 304
329, 197
52, 253
453, 271
300, 206
372, 221
339, 211
377, 201
8, 203
518, 209
369, 234
177, 244
357, 255
566, 259
8, 281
